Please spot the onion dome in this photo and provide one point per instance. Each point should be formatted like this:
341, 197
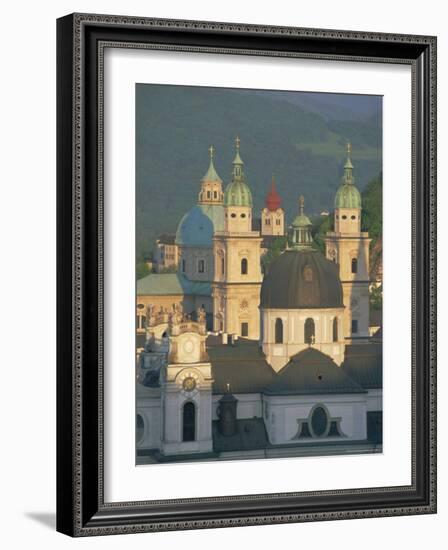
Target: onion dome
237, 193
301, 277
273, 200
348, 195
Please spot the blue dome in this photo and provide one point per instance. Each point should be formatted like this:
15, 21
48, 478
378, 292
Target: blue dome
198, 225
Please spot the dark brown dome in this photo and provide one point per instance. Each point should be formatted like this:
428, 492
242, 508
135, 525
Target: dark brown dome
301, 279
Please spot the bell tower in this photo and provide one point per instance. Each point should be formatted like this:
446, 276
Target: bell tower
272, 215
237, 278
348, 246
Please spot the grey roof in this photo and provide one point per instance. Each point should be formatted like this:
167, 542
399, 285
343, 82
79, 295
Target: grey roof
301, 279
245, 368
250, 435
312, 372
364, 363
172, 284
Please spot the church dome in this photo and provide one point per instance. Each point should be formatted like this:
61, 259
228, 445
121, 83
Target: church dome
347, 196
237, 193
198, 225
301, 279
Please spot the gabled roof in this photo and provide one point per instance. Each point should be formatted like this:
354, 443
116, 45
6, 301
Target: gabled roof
245, 369
312, 372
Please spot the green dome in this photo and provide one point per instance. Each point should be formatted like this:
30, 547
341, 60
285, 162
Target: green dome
237, 193
347, 196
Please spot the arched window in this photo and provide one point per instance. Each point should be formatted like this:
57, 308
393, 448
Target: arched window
222, 266
139, 428
244, 266
335, 329
201, 266
189, 422
278, 331
309, 331
354, 265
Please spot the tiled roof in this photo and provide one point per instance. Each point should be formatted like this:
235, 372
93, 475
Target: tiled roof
245, 369
312, 372
364, 363
172, 284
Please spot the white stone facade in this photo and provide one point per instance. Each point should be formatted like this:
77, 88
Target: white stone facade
327, 338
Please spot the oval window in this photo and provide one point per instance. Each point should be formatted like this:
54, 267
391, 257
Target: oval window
344, 217
353, 217
319, 421
243, 215
233, 215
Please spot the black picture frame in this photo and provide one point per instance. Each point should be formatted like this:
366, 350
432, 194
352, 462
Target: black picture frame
81, 510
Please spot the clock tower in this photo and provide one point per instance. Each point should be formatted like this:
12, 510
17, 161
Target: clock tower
187, 388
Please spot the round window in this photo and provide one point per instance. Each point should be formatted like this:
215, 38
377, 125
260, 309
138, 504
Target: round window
353, 217
243, 215
233, 215
319, 421
344, 217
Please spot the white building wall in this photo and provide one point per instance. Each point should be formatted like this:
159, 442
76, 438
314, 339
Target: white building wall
283, 413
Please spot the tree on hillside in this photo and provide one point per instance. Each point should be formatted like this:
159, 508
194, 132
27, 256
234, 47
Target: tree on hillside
276, 248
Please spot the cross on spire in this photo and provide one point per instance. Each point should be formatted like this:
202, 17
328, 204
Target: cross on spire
301, 204
349, 149
237, 142
211, 151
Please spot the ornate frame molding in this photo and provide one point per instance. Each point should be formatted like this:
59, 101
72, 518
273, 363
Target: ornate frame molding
82, 39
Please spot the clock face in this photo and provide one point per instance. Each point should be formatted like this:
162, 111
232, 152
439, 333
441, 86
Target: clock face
189, 384
188, 346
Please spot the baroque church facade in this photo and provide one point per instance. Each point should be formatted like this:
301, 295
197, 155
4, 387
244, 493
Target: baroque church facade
236, 363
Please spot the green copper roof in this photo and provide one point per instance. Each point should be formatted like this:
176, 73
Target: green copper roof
237, 192
348, 195
212, 174
172, 284
301, 228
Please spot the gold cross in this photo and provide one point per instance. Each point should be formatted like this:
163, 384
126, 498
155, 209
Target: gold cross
211, 150
237, 141
349, 148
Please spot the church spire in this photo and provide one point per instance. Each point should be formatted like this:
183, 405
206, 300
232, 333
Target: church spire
237, 172
212, 174
211, 189
273, 200
301, 229
348, 167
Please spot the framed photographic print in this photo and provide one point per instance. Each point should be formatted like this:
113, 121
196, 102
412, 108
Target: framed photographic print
246, 274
